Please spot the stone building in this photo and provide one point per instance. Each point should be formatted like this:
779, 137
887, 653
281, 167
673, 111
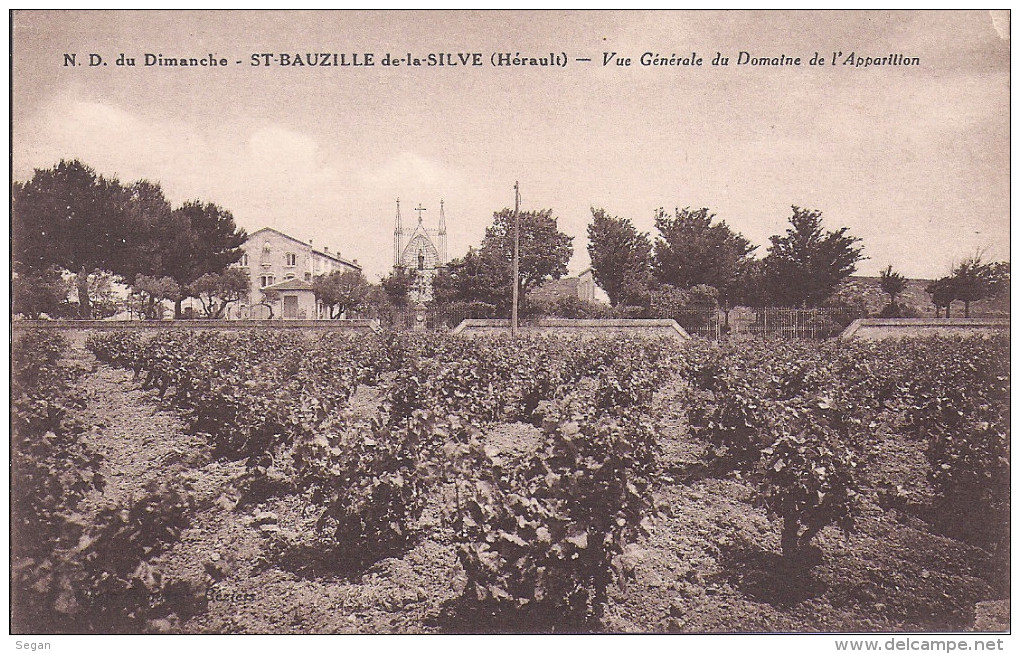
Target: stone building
281, 269
582, 287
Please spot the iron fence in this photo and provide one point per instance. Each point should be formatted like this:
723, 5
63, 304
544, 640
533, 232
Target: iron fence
817, 323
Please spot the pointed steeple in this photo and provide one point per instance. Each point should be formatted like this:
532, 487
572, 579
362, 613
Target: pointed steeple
398, 232
442, 233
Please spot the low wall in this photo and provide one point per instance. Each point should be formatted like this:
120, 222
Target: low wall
77, 330
217, 325
876, 329
576, 328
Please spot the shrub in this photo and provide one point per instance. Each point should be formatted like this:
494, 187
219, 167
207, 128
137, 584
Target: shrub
51, 472
374, 484
809, 482
115, 587
543, 538
970, 471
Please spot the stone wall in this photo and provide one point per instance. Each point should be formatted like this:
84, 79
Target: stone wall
874, 329
576, 328
78, 330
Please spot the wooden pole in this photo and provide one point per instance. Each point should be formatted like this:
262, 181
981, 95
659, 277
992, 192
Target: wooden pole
517, 256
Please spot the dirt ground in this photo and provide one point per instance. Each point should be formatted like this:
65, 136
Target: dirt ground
710, 565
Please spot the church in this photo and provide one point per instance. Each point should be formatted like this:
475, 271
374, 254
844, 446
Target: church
420, 250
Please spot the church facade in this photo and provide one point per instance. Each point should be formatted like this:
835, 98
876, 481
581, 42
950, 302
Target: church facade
420, 250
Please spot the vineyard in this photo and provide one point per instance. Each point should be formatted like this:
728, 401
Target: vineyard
427, 483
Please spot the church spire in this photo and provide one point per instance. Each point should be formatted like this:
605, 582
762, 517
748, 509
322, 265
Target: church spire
397, 233
442, 233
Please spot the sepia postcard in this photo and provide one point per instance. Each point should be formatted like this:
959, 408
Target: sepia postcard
271, 373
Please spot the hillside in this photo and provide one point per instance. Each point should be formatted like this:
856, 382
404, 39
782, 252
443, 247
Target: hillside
915, 297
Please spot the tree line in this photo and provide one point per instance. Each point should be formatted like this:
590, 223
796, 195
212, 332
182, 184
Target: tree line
70, 218
76, 232
70, 222
694, 261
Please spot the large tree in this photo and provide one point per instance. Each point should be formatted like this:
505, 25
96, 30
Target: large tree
153, 239
196, 239
471, 279
806, 265
693, 248
486, 275
397, 286
341, 291
620, 258
70, 217
544, 250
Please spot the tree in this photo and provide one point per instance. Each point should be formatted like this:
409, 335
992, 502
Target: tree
998, 273
693, 250
544, 251
397, 286
620, 258
267, 298
216, 291
484, 276
104, 299
892, 283
68, 216
470, 279
196, 239
153, 290
750, 287
151, 241
37, 292
341, 291
805, 266
974, 280
942, 292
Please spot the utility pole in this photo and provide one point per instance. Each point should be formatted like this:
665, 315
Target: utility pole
517, 257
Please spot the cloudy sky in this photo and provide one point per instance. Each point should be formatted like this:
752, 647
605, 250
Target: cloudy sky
914, 160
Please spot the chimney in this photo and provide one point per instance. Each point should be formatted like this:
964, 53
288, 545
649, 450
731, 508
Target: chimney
326, 249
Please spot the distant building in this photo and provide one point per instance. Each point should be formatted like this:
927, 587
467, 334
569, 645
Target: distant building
582, 287
286, 266
421, 250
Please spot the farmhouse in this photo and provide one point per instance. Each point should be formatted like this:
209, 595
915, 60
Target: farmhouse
582, 287
281, 269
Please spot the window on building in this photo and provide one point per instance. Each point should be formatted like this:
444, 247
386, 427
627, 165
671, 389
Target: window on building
288, 276
266, 248
308, 276
244, 260
268, 280
291, 259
